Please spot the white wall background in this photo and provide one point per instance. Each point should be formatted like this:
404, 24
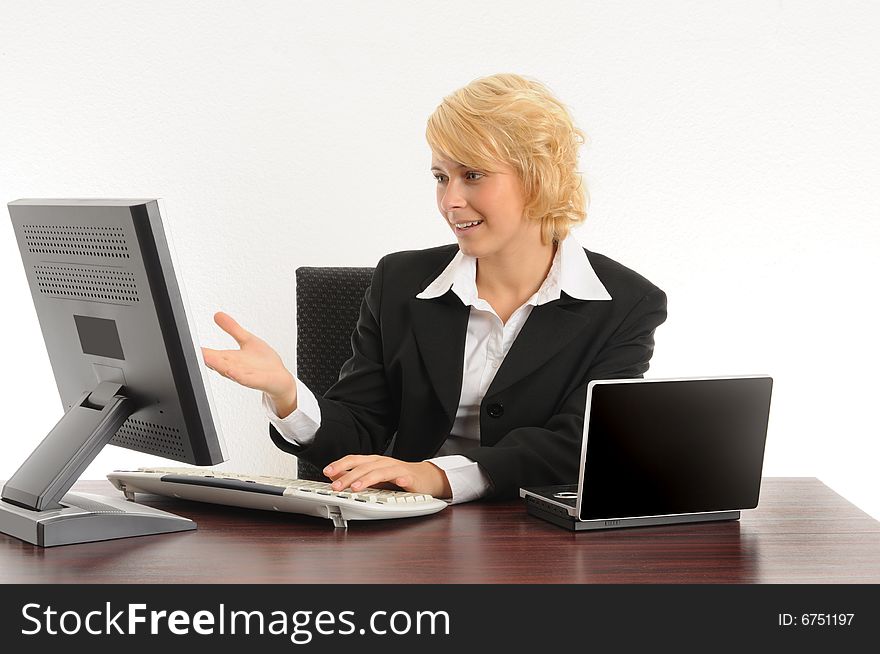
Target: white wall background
733, 160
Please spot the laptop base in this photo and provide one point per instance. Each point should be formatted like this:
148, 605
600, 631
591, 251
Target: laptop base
570, 523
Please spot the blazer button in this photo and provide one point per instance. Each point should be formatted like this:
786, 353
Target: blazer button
495, 410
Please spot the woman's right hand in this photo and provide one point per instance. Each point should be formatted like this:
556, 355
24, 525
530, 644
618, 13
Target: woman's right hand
255, 365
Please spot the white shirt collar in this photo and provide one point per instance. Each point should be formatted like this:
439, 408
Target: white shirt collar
570, 272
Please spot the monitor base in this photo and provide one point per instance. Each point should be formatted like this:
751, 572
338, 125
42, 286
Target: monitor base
85, 518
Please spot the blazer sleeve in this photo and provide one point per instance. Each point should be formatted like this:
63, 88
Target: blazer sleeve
548, 455
364, 426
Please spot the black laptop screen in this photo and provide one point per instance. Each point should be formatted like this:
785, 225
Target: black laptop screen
674, 447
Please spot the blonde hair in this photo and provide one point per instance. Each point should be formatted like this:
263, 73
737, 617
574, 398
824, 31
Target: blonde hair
510, 119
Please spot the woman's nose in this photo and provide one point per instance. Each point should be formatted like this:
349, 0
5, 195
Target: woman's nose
452, 197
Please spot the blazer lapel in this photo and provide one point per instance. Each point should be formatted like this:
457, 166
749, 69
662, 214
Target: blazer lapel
440, 327
548, 329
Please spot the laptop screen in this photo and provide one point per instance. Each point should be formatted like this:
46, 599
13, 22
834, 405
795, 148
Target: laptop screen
674, 446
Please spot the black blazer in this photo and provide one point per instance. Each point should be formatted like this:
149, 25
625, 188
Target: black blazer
405, 373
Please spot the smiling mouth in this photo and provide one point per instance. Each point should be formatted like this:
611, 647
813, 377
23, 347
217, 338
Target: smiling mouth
463, 227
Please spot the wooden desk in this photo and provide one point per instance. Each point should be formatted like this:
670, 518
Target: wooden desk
802, 532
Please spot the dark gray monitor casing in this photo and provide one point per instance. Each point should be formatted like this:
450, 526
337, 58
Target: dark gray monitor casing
112, 314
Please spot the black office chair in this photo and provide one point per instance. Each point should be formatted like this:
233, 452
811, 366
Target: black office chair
328, 301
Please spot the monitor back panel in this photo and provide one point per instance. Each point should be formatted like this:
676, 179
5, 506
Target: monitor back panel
103, 301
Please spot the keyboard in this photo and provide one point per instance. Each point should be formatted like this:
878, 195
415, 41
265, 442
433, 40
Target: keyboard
312, 498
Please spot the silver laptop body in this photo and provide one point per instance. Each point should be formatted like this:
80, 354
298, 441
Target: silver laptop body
663, 451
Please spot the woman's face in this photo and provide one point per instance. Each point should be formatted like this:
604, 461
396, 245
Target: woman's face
484, 209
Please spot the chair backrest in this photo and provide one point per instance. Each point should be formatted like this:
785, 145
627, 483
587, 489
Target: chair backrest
328, 302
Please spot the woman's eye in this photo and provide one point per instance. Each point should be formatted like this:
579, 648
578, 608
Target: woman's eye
471, 176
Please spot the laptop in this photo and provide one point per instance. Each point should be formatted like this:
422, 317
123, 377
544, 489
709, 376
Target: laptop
663, 451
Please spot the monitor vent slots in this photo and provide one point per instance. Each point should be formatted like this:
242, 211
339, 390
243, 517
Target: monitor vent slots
92, 284
93, 241
91, 505
150, 437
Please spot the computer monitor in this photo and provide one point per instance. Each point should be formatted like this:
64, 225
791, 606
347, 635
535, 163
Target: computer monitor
126, 362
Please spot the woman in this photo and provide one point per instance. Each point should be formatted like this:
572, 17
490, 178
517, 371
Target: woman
474, 358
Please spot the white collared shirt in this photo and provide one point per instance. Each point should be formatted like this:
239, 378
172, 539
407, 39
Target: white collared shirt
487, 342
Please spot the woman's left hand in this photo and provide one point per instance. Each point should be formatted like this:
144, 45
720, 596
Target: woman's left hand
362, 471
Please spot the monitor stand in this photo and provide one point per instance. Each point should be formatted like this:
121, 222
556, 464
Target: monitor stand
36, 506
